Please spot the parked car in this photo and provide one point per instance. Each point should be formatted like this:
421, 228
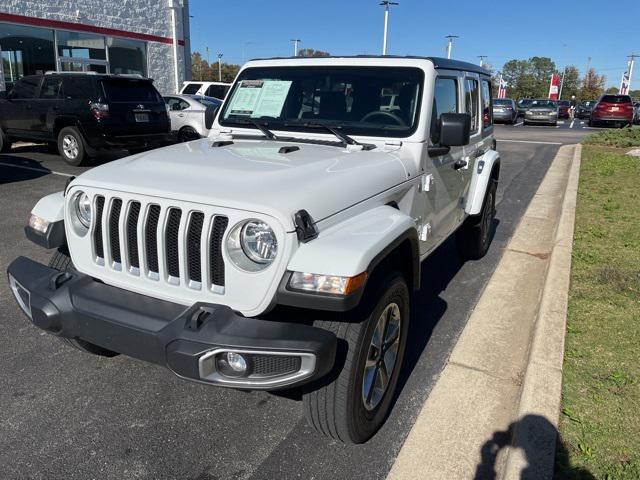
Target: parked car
583, 110
504, 110
522, 105
85, 114
564, 109
614, 110
191, 115
636, 108
217, 90
281, 251
542, 111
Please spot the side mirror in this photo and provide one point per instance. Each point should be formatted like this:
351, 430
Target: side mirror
455, 129
210, 115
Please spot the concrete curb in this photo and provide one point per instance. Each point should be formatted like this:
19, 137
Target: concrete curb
542, 385
504, 365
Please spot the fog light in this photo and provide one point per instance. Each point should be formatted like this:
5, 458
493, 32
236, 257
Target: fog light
232, 364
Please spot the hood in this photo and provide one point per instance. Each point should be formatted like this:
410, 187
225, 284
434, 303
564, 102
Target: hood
252, 175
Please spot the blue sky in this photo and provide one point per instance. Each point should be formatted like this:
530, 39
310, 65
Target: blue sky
501, 30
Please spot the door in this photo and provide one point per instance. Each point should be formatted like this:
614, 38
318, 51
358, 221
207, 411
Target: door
19, 107
442, 183
47, 105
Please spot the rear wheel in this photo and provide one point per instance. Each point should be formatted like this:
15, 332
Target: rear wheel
370, 352
475, 235
71, 146
5, 143
186, 134
61, 260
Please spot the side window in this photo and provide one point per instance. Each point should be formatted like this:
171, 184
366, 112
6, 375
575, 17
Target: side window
184, 105
191, 88
445, 100
25, 88
78, 89
50, 88
471, 102
487, 113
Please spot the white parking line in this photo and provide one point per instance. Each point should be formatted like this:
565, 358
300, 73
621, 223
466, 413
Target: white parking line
35, 169
529, 141
518, 124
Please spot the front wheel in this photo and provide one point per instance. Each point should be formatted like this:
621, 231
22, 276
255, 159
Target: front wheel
61, 261
356, 403
186, 134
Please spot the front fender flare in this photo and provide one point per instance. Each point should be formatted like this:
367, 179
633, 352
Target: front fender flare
481, 174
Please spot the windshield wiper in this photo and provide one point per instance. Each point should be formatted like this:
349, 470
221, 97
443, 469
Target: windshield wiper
334, 129
260, 126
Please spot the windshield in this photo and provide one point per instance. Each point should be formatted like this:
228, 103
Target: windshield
544, 103
355, 99
565, 103
616, 99
121, 90
501, 101
206, 101
524, 102
587, 104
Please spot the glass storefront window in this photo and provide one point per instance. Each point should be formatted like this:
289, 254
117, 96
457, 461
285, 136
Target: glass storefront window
25, 51
127, 56
81, 45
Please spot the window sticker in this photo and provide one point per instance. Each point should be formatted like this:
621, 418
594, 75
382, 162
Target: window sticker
260, 98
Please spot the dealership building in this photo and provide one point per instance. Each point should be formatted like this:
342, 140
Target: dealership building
144, 37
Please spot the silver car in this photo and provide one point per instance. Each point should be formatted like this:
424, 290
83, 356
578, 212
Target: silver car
505, 110
542, 111
191, 115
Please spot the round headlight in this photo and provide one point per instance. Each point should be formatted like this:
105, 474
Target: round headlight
83, 208
258, 241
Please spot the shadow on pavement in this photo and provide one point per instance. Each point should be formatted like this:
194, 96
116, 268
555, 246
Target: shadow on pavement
538, 439
19, 169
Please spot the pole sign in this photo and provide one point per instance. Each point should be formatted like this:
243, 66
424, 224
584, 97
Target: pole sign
502, 89
624, 84
554, 88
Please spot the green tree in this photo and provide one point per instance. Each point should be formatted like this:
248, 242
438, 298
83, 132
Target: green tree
571, 82
593, 85
612, 90
310, 52
202, 71
541, 70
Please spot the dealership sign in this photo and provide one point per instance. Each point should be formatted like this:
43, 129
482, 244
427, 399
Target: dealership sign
554, 88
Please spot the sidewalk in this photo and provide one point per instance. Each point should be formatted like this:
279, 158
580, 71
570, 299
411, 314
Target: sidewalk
501, 385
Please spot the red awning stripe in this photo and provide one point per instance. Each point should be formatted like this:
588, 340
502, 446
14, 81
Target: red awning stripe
41, 22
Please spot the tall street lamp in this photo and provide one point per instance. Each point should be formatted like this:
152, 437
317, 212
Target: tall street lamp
295, 41
386, 4
220, 67
450, 44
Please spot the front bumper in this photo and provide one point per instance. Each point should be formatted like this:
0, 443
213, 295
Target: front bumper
184, 339
540, 118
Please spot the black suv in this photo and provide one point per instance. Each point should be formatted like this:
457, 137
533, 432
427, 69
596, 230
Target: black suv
84, 113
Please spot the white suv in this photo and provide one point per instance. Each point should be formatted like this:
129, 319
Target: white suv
283, 250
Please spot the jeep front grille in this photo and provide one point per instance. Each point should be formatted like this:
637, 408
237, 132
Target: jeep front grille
164, 243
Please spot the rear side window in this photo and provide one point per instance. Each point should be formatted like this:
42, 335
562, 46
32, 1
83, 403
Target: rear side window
487, 111
445, 100
50, 88
616, 99
471, 102
25, 88
191, 88
217, 91
78, 89
130, 91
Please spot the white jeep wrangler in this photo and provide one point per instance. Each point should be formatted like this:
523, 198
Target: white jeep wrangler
281, 252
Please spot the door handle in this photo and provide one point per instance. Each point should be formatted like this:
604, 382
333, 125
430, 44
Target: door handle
458, 164
181, 114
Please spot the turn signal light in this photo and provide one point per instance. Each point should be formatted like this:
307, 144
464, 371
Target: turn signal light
330, 284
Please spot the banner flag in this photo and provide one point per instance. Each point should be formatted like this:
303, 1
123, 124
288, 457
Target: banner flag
554, 88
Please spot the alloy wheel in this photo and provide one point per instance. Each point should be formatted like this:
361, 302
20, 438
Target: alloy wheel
70, 146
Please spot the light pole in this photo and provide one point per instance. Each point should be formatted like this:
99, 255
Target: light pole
450, 44
220, 67
386, 4
482, 57
295, 41
564, 72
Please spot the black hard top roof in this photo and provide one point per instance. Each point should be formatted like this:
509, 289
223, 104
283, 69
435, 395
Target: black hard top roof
438, 62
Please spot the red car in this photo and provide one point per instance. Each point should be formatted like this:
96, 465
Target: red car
612, 109
564, 109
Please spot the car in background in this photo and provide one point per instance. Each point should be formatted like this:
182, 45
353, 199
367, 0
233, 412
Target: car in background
191, 115
636, 109
616, 110
217, 90
564, 109
542, 110
583, 110
522, 106
86, 114
504, 110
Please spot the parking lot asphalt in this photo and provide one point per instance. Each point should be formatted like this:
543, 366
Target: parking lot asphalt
69, 415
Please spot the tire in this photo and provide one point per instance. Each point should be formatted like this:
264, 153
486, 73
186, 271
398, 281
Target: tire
474, 236
186, 134
340, 409
5, 143
62, 261
71, 146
